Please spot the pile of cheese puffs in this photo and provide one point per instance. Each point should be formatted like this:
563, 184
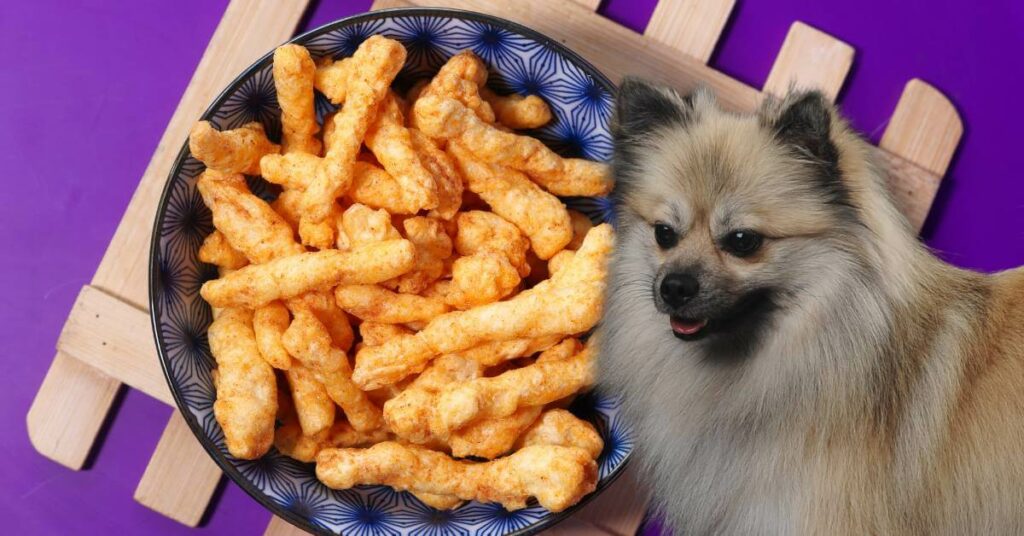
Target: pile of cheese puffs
407, 312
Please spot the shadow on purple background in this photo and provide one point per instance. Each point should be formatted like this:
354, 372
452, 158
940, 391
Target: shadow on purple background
87, 90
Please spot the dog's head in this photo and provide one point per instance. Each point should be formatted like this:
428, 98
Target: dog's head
727, 217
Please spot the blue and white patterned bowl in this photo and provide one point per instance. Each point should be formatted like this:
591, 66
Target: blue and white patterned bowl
520, 60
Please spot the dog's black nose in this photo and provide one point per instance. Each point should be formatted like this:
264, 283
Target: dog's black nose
677, 289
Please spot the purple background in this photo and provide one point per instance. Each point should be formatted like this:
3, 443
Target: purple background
87, 88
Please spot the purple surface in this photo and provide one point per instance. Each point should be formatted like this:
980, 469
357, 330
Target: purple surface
77, 137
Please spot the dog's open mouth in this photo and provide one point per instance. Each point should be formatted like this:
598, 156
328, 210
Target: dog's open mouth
686, 328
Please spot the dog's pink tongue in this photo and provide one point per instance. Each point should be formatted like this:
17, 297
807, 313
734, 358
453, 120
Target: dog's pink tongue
685, 327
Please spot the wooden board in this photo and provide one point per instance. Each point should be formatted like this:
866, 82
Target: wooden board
107, 341
810, 59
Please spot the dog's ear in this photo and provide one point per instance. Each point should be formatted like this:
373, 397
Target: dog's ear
642, 107
805, 123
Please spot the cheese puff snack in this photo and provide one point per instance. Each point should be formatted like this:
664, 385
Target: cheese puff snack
511, 195
259, 284
501, 396
230, 151
516, 111
557, 476
560, 427
374, 66
217, 251
293, 78
246, 221
246, 387
269, 324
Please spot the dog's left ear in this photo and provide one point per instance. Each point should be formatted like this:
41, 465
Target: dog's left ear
805, 123
642, 107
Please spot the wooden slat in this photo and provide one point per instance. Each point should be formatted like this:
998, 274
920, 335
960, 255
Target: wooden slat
181, 477
925, 128
280, 527
690, 26
913, 188
116, 339
589, 4
70, 407
810, 59
64, 420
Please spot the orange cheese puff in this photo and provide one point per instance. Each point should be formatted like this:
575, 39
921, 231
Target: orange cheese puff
517, 111
363, 225
557, 476
293, 171
374, 66
361, 412
480, 279
230, 151
291, 442
567, 304
247, 222
559, 261
309, 341
461, 78
288, 205
246, 387
322, 305
511, 195
293, 78
402, 354
502, 395
269, 324
490, 438
446, 176
410, 413
443, 117
332, 79
480, 231
392, 144
314, 408
320, 234
259, 284
217, 251
560, 427
375, 188
374, 333
377, 304
433, 246
581, 225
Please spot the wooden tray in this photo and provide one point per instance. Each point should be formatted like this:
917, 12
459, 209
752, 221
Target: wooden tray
107, 342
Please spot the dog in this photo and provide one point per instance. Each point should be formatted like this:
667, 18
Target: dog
793, 359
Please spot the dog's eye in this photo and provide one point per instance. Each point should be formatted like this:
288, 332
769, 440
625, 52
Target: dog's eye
742, 243
665, 236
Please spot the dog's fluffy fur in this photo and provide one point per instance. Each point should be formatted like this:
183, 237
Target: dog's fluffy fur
848, 382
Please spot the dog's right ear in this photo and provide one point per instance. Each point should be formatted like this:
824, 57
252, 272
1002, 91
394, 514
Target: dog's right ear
642, 107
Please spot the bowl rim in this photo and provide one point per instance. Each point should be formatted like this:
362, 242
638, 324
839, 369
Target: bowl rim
153, 270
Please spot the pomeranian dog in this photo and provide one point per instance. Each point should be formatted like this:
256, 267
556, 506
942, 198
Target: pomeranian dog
795, 361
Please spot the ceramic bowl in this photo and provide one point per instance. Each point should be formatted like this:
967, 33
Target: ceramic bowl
521, 61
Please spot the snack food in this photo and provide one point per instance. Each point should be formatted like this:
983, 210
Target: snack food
557, 476
430, 273
231, 151
246, 387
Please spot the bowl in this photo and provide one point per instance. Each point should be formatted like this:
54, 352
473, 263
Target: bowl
521, 61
